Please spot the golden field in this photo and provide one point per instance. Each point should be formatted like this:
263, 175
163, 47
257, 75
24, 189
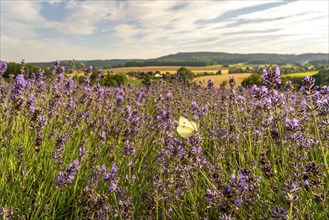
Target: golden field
169, 69
219, 79
311, 73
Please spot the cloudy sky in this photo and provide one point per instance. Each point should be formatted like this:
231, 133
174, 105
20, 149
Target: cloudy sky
82, 29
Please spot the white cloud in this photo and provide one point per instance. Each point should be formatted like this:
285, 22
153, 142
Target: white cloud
139, 29
42, 50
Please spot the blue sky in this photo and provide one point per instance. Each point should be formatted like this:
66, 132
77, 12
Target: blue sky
83, 29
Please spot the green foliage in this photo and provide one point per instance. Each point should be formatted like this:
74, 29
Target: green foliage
146, 79
224, 83
114, 80
185, 74
79, 79
205, 59
322, 77
254, 79
14, 68
247, 160
121, 79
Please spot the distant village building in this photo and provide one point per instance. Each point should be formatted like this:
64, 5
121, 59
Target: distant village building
158, 75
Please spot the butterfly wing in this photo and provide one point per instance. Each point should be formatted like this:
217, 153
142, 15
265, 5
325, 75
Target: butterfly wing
185, 131
186, 128
194, 125
184, 122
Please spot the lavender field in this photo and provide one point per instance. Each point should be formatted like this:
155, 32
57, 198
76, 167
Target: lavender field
83, 151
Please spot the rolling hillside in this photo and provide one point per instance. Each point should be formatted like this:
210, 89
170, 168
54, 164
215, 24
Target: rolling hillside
203, 59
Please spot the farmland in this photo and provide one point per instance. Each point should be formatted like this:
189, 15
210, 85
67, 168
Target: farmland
169, 69
219, 79
311, 73
199, 71
85, 151
239, 77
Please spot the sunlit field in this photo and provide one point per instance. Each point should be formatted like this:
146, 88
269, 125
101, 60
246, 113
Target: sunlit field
312, 73
83, 151
169, 69
160, 69
219, 79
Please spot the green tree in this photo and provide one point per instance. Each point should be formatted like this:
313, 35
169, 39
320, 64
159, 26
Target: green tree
322, 77
253, 79
121, 79
185, 74
146, 79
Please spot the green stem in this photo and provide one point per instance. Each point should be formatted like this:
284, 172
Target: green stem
156, 204
290, 211
318, 137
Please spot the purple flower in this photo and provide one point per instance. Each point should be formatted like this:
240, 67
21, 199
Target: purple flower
259, 92
100, 73
211, 84
271, 78
279, 213
304, 183
69, 85
60, 178
31, 103
226, 217
114, 168
111, 178
106, 176
22, 66
128, 149
82, 153
57, 63
41, 72
102, 137
194, 106
59, 149
209, 192
140, 95
67, 177
113, 187
268, 121
128, 112
3, 67
89, 70
308, 86
100, 93
325, 90
61, 74
237, 202
86, 83
231, 81
289, 86
291, 125
120, 100
18, 88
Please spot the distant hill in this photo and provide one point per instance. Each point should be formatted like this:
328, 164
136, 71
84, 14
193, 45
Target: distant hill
203, 59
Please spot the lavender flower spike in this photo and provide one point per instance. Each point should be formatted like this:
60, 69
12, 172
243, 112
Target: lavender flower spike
271, 78
18, 88
3, 67
308, 86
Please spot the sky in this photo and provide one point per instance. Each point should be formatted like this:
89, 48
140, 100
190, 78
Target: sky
39, 31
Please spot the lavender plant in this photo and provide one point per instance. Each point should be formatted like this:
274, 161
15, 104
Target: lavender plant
83, 151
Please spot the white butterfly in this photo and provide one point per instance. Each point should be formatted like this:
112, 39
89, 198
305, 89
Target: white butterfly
186, 128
